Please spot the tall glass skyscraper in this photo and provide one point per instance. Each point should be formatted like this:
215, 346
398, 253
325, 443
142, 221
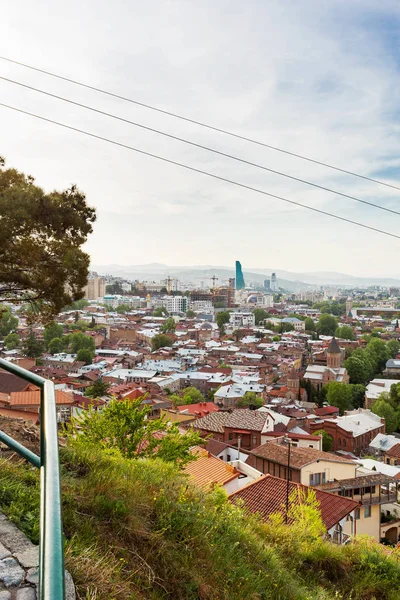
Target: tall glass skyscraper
239, 276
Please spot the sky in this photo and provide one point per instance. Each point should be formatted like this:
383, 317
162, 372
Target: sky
315, 77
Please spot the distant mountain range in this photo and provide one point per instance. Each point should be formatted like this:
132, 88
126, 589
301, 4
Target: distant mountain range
201, 275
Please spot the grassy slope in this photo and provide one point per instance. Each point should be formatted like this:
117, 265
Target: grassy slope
139, 530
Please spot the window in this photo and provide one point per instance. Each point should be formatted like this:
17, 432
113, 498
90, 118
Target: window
231, 436
317, 478
357, 513
254, 438
367, 512
310, 446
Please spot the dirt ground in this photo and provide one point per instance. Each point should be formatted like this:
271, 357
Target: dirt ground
24, 432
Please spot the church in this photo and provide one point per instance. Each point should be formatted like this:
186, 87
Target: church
320, 375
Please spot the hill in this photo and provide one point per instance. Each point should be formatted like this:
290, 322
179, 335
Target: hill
288, 280
138, 529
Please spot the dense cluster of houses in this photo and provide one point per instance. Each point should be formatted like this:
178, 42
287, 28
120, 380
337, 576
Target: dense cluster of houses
263, 453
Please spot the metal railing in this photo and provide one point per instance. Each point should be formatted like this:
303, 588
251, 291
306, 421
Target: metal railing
51, 549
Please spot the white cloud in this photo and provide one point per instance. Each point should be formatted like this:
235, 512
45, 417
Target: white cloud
315, 78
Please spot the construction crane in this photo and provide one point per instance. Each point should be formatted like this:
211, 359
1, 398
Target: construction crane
214, 279
168, 281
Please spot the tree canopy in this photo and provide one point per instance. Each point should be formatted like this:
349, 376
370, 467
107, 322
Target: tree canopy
345, 333
11, 341
85, 355
309, 324
169, 326
326, 325
123, 426
340, 395
161, 340
222, 318
8, 323
250, 399
41, 234
32, 346
259, 315
390, 414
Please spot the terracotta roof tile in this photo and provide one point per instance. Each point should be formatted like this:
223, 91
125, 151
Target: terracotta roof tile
394, 451
298, 456
33, 398
208, 470
267, 496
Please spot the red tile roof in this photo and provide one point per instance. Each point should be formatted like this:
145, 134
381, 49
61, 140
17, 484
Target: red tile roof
326, 410
201, 409
267, 496
208, 470
33, 398
298, 456
394, 451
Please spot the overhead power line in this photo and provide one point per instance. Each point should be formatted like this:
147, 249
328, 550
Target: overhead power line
207, 148
200, 123
201, 171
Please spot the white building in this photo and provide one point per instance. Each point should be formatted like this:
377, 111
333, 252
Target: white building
242, 319
173, 304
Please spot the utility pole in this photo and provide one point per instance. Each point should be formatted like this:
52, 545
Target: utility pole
287, 441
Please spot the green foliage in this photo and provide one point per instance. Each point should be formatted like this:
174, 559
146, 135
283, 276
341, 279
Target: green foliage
391, 415
169, 326
285, 327
359, 367
326, 325
160, 312
56, 345
85, 355
190, 314
378, 352
31, 346
394, 347
51, 331
222, 318
123, 308
161, 341
331, 308
357, 395
309, 324
114, 289
123, 427
189, 395
327, 440
77, 305
80, 341
42, 260
11, 341
99, 388
139, 530
276, 338
80, 324
259, 315
345, 332
250, 399
340, 395
8, 323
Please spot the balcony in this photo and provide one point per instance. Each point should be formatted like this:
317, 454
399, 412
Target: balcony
383, 498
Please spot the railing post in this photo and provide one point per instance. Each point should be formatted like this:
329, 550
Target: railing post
51, 546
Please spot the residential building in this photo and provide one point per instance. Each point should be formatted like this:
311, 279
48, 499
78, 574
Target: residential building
375, 389
267, 496
242, 320
352, 432
242, 427
208, 471
393, 367
173, 304
297, 324
95, 288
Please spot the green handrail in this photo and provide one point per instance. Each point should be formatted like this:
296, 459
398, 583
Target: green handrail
51, 549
